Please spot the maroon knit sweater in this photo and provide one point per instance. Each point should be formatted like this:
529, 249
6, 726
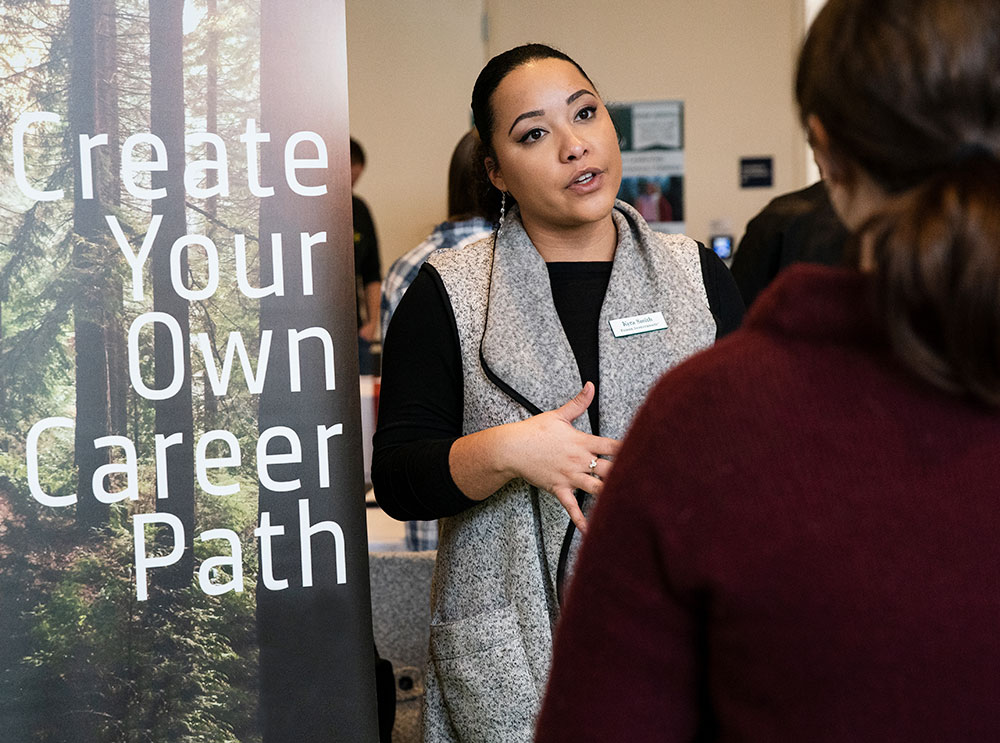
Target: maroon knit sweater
799, 542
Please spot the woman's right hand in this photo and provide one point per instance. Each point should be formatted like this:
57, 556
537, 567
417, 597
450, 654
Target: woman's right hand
545, 450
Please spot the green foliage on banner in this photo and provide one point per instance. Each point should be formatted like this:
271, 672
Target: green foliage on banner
90, 657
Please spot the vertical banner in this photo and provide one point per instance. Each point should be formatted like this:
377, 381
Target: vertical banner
183, 549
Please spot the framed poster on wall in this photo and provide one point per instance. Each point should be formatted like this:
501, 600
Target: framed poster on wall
651, 134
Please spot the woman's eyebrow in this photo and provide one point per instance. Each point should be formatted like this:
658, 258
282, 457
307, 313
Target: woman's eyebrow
525, 115
541, 112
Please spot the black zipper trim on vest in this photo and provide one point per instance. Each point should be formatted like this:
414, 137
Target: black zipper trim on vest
551, 599
564, 554
568, 538
490, 374
506, 388
554, 602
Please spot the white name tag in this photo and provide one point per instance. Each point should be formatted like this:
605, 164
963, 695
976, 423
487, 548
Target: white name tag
638, 324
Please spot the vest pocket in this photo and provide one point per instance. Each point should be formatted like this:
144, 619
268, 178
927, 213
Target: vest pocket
484, 676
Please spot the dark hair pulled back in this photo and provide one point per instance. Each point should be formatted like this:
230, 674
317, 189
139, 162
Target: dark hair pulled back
489, 79
909, 90
493, 74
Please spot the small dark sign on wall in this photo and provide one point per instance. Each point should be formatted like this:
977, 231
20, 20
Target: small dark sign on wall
756, 172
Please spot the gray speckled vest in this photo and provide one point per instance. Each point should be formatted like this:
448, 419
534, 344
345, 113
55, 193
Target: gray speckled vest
494, 592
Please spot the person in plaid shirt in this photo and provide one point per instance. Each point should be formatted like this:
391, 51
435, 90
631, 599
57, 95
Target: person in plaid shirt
472, 216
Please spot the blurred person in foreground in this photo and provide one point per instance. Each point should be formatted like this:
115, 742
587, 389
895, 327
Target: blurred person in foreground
836, 578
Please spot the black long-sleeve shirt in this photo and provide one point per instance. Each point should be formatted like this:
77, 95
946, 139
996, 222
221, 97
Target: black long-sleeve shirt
421, 399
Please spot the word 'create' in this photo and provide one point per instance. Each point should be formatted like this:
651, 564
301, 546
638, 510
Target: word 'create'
134, 165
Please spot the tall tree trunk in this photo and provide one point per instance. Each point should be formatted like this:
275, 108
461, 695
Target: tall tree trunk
317, 664
212, 96
109, 187
92, 405
3, 379
173, 415
211, 177
108, 120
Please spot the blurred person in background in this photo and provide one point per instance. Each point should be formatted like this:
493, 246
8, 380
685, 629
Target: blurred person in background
472, 211
367, 267
797, 227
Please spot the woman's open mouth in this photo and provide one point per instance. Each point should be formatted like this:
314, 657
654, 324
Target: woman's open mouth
586, 181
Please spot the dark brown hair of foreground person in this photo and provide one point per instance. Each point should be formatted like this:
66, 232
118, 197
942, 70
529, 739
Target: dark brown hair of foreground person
912, 99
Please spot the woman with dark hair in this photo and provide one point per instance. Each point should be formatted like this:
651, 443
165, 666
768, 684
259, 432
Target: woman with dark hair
482, 421
837, 579
471, 216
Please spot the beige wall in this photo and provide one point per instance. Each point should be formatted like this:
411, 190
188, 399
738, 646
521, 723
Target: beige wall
412, 64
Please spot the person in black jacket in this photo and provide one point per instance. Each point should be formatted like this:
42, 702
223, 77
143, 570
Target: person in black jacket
797, 227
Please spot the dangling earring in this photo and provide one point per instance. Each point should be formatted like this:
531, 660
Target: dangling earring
503, 207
